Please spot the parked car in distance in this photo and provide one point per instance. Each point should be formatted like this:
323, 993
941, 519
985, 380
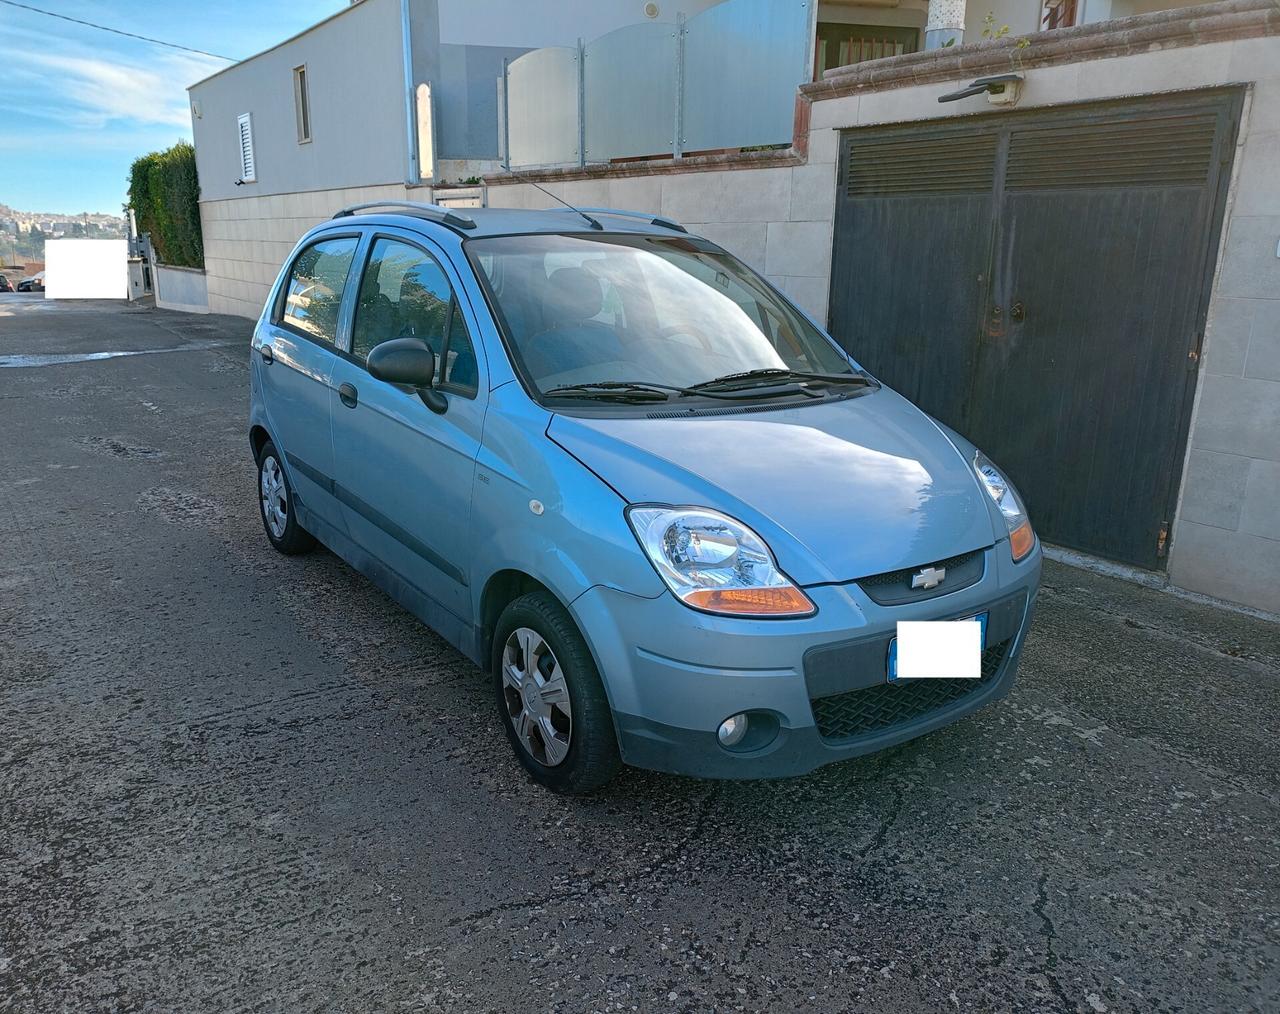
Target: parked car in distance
5, 285
34, 283
676, 523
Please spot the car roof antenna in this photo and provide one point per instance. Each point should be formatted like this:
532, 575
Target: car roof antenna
589, 220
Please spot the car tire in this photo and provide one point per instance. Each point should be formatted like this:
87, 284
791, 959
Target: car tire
275, 505
537, 621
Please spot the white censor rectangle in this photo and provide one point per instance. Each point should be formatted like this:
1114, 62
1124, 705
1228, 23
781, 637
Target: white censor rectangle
939, 649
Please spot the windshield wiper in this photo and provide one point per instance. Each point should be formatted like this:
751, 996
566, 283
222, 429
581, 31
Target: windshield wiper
612, 390
629, 390
773, 375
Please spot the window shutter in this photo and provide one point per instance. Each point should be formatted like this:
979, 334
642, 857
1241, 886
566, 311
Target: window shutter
248, 169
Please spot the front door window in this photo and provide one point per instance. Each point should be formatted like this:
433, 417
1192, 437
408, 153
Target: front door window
406, 294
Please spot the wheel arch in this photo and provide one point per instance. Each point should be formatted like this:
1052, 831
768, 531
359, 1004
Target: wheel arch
503, 588
258, 437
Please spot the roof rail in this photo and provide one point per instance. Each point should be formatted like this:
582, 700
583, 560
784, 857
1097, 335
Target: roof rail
434, 212
648, 216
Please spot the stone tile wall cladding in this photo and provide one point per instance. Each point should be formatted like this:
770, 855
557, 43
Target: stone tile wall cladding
776, 212
248, 238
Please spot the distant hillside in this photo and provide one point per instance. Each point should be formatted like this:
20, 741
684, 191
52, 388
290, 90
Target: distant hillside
83, 217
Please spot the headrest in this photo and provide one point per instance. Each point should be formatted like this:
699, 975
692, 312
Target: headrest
572, 296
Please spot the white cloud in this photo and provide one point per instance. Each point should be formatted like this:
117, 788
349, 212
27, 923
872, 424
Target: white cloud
91, 92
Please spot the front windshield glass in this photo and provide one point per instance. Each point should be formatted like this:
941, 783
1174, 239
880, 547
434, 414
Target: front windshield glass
610, 309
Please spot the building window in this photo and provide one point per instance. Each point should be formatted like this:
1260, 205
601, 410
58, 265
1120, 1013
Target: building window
248, 167
1059, 14
302, 104
839, 45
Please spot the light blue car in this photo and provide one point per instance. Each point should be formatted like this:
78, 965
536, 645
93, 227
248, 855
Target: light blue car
674, 521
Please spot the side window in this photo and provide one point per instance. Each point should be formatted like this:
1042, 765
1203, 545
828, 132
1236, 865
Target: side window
313, 291
459, 370
405, 294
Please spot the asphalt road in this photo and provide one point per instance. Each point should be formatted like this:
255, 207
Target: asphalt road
233, 781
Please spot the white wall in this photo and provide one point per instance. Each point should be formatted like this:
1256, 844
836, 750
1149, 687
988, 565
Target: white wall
86, 269
355, 72
533, 24
182, 289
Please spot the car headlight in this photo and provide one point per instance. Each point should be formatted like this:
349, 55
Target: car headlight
714, 563
1000, 489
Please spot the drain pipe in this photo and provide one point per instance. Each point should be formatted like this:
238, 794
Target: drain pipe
412, 173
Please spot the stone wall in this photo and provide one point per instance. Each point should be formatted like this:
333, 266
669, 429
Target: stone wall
246, 240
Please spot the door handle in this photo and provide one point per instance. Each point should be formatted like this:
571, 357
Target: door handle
1018, 311
268, 354
349, 395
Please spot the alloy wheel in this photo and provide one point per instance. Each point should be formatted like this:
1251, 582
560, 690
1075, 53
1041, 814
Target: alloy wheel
537, 697
275, 497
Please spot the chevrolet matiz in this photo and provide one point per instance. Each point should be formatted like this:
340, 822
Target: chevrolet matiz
678, 525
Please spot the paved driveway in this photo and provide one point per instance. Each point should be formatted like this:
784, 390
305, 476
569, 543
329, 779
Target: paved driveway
235, 781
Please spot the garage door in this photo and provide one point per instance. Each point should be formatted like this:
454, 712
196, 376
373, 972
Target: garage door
1038, 281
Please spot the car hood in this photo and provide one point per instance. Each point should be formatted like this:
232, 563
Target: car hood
839, 491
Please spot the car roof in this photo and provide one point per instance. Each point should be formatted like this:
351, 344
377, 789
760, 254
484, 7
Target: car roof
514, 221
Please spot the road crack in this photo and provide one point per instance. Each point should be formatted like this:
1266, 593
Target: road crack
591, 886
1050, 933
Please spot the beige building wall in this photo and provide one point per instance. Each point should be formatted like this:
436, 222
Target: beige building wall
247, 239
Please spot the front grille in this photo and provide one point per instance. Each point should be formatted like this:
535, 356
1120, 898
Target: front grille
886, 705
894, 588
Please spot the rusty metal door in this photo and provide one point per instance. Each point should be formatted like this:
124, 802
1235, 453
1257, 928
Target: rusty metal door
1039, 282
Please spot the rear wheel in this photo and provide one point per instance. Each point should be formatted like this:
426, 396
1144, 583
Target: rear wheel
550, 697
275, 502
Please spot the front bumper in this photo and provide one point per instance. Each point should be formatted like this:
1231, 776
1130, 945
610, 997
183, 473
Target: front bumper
673, 674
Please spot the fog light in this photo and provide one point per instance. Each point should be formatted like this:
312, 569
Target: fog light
731, 730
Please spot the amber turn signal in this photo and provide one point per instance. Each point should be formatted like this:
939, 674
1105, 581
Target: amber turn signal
785, 601
1021, 539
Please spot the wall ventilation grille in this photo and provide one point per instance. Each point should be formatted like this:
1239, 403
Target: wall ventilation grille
892, 167
1151, 152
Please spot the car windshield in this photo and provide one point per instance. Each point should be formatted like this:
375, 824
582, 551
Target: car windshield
629, 309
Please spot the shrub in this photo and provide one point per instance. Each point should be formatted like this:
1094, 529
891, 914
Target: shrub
164, 193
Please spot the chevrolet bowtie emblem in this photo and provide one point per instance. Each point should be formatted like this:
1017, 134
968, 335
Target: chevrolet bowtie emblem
928, 577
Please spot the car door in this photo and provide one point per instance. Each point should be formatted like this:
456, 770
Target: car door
295, 362
405, 473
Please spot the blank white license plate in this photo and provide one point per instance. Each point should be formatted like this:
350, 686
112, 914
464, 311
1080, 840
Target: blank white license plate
938, 649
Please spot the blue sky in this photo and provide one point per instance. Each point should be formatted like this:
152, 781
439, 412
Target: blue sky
77, 105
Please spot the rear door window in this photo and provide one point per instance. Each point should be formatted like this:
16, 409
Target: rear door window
313, 290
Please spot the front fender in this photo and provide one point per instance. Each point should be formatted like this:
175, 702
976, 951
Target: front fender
579, 540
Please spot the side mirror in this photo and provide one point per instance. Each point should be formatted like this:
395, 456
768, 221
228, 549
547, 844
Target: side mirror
409, 362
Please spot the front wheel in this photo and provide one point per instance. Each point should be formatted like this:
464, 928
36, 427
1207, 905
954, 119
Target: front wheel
550, 697
275, 503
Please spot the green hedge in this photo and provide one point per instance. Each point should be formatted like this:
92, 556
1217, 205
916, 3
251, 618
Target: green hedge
164, 193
